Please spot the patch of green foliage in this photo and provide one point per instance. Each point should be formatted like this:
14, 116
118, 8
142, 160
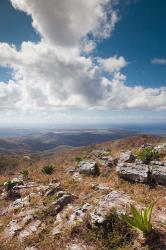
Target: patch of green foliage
148, 154
24, 173
78, 159
140, 220
8, 185
48, 169
114, 233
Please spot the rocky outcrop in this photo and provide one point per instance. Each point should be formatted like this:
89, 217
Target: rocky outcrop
133, 172
79, 213
159, 174
127, 157
57, 206
115, 199
88, 167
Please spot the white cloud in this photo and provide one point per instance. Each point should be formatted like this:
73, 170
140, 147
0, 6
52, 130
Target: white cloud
54, 74
161, 61
64, 22
113, 64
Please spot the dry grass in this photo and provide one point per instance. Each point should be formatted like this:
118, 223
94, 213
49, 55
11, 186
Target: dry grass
82, 190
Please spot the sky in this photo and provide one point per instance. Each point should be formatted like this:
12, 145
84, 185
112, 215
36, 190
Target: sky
70, 61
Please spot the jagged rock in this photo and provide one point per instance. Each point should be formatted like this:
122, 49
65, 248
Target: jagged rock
161, 147
77, 176
13, 229
76, 247
133, 172
17, 225
57, 230
52, 189
33, 227
115, 199
88, 167
102, 187
127, 157
26, 186
58, 205
71, 171
79, 213
159, 174
30, 248
159, 216
159, 163
146, 145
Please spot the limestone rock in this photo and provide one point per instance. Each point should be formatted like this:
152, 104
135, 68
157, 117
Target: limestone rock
101, 187
115, 199
18, 180
159, 174
58, 205
127, 157
79, 213
52, 189
133, 172
88, 167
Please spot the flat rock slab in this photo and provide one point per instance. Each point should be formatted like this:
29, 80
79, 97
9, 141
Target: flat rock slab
133, 172
115, 199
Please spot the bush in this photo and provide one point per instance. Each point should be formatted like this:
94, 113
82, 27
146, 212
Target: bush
9, 185
148, 154
140, 220
112, 234
24, 173
49, 169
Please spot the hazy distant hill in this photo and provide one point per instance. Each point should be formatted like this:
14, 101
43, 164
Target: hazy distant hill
40, 141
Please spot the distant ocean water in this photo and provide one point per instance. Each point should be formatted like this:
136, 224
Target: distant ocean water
153, 129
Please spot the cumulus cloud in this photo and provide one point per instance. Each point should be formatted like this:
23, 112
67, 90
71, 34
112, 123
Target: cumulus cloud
161, 61
113, 64
58, 72
65, 22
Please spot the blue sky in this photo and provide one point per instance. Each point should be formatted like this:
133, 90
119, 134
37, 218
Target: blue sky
104, 59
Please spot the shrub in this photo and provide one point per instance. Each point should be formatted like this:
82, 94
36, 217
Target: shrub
9, 185
78, 159
148, 154
140, 220
24, 173
49, 169
112, 234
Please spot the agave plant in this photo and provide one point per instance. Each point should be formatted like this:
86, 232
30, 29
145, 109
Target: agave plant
140, 220
49, 169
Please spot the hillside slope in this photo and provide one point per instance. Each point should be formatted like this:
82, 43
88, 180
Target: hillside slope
79, 205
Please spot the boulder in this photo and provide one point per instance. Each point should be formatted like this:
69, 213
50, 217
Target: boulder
160, 163
159, 174
133, 172
33, 227
116, 199
13, 229
52, 189
58, 205
161, 147
127, 157
88, 167
79, 213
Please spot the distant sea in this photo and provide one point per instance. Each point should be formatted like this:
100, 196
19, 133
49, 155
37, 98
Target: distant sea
153, 129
